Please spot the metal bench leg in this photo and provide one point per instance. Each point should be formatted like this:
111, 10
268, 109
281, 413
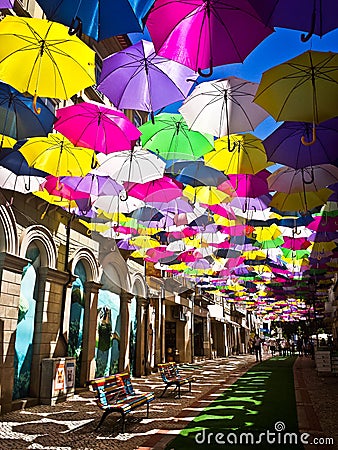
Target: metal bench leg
147, 410
104, 415
165, 389
189, 386
123, 416
179, 390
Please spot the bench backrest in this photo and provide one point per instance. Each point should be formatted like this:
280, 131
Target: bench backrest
168, 371
112, 388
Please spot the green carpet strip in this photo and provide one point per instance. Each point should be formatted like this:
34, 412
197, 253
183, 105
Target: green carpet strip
257, 411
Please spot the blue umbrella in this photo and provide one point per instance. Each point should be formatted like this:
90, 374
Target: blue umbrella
13, 160
17, 117
196, 173
99, 19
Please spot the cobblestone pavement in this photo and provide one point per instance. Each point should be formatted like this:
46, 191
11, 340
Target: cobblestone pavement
71, 425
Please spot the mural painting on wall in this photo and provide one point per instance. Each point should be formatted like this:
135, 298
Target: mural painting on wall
25, 327
132, 339
76, 319
108, 333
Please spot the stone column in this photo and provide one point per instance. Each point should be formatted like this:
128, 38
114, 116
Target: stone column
11, 267
141, 344
159, 332
125, 300
88, 364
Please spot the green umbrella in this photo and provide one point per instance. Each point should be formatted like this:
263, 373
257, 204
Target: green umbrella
170, 137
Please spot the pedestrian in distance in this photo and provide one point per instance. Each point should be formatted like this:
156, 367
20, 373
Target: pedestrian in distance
258, 347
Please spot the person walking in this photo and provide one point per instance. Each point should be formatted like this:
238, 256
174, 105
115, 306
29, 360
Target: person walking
258, 347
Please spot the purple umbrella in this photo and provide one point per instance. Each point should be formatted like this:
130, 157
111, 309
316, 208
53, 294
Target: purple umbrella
315, 17
6, 4
94, 184
255, 204
205, 33
284, 145
137, 78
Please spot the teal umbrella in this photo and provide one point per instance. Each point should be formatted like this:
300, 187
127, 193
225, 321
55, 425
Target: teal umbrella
170, 138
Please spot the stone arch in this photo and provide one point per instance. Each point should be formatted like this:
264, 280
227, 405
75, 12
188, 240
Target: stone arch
115, 275
9, 241
42, 237
89, 262
139, 287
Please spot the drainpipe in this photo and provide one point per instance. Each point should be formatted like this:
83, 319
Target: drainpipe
62, 338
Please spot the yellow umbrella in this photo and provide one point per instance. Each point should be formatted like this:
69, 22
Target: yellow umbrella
298, 202
140, 253
245, 155
262, 234
56, 155
55, 200
40, 57
98, 227
144, 242
208, 195
6, 142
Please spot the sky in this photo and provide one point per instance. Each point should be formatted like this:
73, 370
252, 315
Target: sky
279, 47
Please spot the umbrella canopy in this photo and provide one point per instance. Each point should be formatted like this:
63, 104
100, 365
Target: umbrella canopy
196, 173
245, 154
116, 205
14, 161
287, 179
248, 185
94, 125
19, 183
6, 4
164, 189
17, 117
284, 145
298, 201
209, 195
135, 165
317, 17
55, 187
170, 138
56, 155
94, 184
205, 33
47, 48
305, 88
138, 78
99, 19
223, 107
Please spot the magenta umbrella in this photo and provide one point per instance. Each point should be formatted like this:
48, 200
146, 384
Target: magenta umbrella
205, 33
164, 189
56, 187
94, 125
247, 185
296, 243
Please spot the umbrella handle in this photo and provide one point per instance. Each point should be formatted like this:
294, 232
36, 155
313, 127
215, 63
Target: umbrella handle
312, 177
124, 197
36, 110
75, 27
306, 37
94, 162
207, 74
314, 137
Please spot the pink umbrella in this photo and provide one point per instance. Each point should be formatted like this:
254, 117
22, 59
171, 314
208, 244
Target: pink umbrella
205, 33
164, 189
155, 254
321, 223
296, 243
247, 185
94, 125
55, 187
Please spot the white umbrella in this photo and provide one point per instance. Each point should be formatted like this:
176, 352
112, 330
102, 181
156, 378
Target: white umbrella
19, 183
116, 205
136, 165
223, 107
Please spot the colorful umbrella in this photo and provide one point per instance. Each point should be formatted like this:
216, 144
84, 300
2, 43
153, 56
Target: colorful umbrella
94, 184
47, 48
116, 205
284, 145
305, 88
317, 17
19, 183
287, 179
13, 160
205, 33
170, 138
196, 173
164, 189
17, 117
6, 4
246, 154
248, 185
135, 165
99, 19
56, 155
298, 202
55, 187
137, 78
209, 195
223, 107
94, 125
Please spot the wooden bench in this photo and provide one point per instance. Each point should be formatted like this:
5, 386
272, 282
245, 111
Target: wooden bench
171, 377
115, 393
